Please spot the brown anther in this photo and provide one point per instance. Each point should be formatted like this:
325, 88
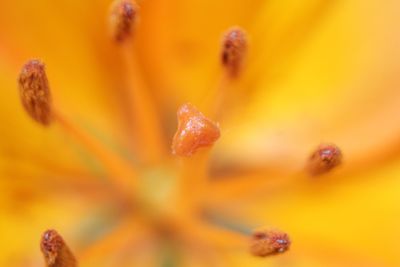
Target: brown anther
56, 253
234, 48
325, 158
35, 92
269, 242
194, 131
123, 14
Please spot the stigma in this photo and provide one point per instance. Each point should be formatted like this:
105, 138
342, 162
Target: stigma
194, 131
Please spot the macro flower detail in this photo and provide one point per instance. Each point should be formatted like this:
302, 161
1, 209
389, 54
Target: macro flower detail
34, 91
188, 133
324, 158
194, 131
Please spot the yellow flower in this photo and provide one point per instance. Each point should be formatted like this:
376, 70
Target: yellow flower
102, 174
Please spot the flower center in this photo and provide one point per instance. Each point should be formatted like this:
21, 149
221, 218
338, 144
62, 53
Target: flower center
166, 195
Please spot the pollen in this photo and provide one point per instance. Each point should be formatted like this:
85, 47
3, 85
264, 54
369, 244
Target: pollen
122, 18
194, 131
55, 251
325, 158
269, 242
35, 92
234, 48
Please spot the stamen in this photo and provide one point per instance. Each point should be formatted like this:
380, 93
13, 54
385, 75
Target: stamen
56, 253
269, 242
194, 131
35, 96
34, 91
122, 19
234, 48
325, 158
143, 112
201, 231
233, 52
148, 128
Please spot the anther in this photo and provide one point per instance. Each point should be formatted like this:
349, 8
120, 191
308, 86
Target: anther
56, 253
35, 92
194, 131
325, 158
234, 48
269, 242
123, 14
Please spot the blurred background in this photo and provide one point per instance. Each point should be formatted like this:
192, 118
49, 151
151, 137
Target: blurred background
316, 71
